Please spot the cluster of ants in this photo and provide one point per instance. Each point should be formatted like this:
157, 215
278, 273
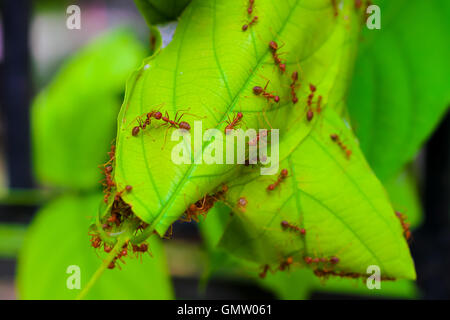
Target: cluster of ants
120, 211
321, 265
138, 250
202, 206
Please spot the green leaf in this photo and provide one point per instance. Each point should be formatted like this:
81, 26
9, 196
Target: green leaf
210, 68
58, 238
339, 201
11, 239
399, 92
158, 11
73, 119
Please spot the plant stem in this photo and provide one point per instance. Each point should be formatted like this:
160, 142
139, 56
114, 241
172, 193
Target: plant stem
120, 242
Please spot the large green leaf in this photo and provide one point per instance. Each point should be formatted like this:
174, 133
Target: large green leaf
339, 201
210, 68
73, 119
157, 11
58, 238
399, 91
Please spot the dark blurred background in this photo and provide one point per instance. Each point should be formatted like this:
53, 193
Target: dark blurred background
34, 41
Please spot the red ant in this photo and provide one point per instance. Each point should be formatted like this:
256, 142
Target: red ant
197, 209
310, 113
142, 124
114, 218
336, 139
285, 264
250, 6
176, 123
112, 154
242, 203
287, 225
118, 195
405, 225
283, 175
107, 248
263, 274
293, 85
258, 91
96, 242
252, 22
138, 250
273, 46
108, 182
201, 207
233, 123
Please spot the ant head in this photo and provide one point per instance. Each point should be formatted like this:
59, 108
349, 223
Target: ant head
257, 90
157, 115
295, 76
312, 87
239, 115
284, 173
273, 45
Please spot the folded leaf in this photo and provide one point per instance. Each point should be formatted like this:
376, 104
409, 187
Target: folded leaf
208, 72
